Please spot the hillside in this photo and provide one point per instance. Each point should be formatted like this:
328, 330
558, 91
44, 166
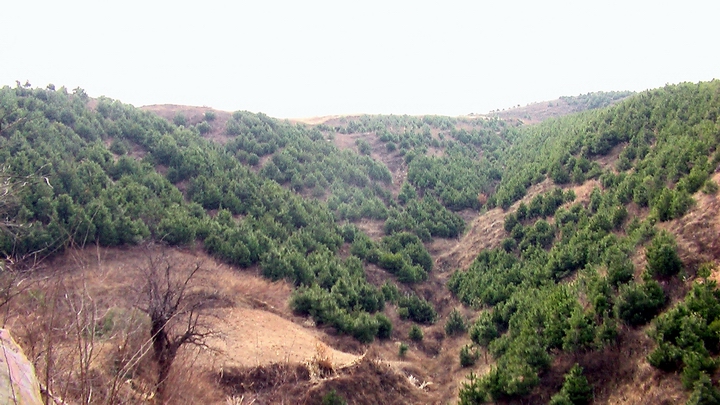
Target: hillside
380, 259
534, 113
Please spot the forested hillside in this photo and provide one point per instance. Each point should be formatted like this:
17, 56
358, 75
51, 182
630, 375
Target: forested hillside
348, 211
565, 281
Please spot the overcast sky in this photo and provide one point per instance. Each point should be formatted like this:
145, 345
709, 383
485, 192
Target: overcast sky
293, 59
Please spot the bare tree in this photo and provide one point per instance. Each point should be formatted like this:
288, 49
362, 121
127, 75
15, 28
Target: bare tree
170, 298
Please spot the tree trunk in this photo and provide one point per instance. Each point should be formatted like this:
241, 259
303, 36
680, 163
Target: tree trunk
162, 374
164, 352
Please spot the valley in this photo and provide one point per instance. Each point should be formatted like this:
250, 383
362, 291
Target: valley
366, 259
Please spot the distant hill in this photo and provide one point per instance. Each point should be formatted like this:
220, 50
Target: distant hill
537, 112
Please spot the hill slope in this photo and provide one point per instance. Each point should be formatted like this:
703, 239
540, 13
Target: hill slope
576, 240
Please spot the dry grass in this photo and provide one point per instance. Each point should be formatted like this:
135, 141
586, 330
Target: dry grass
80, 326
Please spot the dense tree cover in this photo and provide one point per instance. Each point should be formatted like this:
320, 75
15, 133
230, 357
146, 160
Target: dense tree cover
563, 279
532, 311
116, 196
401, 254
305, 161
598, 99
667, 139
357, 185
454, 160
426, 218
688, 340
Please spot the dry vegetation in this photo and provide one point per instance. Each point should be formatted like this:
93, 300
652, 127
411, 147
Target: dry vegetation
79, 323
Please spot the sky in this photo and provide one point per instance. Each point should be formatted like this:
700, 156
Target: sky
293, 59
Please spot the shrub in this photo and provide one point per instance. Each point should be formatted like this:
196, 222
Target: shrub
662, 257
402, 351
710, 187
666, 357
418, 309
455, 323
696, 365
384, 326
390, 291
704, 392
560, 398
484, 330
203, 128
363, 147
332, 398
638, 303
620, 271
468, 356
416, 334
473, 392
576, 388
179, 119
365, 328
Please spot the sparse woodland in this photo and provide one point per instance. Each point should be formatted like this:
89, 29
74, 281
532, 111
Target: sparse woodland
602, 259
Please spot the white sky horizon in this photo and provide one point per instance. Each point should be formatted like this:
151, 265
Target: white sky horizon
318, 58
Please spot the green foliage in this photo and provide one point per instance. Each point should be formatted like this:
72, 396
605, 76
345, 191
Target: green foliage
402, 254
415, 334
529, 289
407, 193
472, 392
417, 309
484, 330
300, 158
365, 328
704, 393
639, 303
560, 399
209, 116
576, 390
662, 257
384, 326
666, 357
664, 144
179, 119
598, 99
390, 292
455, 323
580, 335
363, 147
696, 364
491, 278
402, 351
710, 187
333, 398
203, 128
468, 356
426, 218
687, 337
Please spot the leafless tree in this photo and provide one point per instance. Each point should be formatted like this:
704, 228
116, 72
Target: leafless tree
170, 297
